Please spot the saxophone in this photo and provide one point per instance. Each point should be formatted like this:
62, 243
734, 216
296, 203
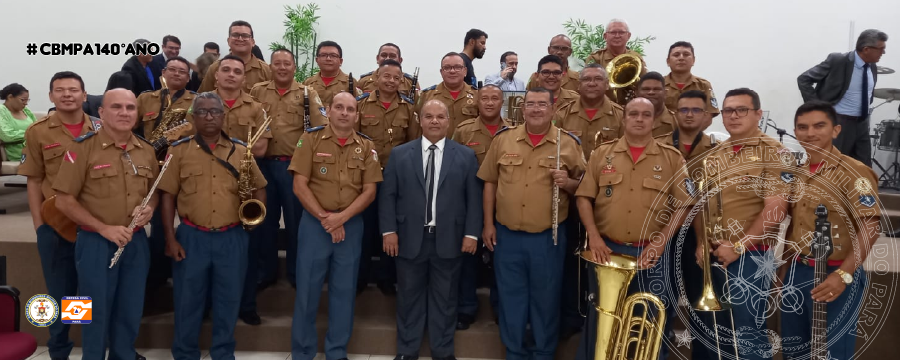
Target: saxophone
252, 212
171, 118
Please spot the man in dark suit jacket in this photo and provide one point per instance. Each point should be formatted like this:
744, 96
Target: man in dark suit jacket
144, 72
847, 81
171, 47
430, 212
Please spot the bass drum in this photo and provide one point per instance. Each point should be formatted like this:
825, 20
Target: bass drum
890, 135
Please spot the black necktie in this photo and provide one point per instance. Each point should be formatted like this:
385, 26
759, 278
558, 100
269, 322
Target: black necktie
429, 184
865, 90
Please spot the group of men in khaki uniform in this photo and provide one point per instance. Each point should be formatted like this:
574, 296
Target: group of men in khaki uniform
320, 160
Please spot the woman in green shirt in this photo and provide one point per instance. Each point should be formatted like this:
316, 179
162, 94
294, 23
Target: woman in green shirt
14, 119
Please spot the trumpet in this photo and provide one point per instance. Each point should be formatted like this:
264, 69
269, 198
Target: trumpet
252, 212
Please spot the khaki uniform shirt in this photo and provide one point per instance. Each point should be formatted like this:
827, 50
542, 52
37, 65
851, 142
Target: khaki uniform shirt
246, 115
149, 104
630, 195
255, 71
521, 172
105, 181
336, 173
206, 192
665, 123
464, 107
287, 113
603, 57
565, 99
327, 92
695, 156
476, 136
389, 127
746, 178
570, 81
45, 143
696, 83
841, 182
368, 83
606, 124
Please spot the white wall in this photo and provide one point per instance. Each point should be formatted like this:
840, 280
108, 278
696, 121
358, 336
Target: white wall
761, 44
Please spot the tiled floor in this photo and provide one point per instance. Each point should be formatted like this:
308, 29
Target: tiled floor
166, 354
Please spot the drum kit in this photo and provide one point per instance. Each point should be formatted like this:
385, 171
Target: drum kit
887, 136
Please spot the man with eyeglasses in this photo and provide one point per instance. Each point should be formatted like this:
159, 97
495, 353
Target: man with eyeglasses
550, 69
474, 48
506, 79
241, 42
616, 35
519, 173
680, 80
452, 91
388, 117
330, 79
652, 86
151, 106
594, 117
242, 113
754, 177
368, 82
209, 249
847, 81
561, 46
478, 134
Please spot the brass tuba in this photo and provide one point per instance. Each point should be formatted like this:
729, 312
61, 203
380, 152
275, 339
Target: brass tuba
515, 103
621, 333
624, 71
252, 212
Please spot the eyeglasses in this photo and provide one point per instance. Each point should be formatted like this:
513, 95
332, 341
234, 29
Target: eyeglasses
879, 48
560, 48
203, 112
594, 79
540, 105
617, 33
449, 68
554, 73
741, 112
24, 100
328, 56
177, 71
242, 36
695, 111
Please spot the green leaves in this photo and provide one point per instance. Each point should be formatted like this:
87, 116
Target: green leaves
586, 38
300, 38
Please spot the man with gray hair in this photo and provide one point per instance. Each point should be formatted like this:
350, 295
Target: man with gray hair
847, 80
616, 35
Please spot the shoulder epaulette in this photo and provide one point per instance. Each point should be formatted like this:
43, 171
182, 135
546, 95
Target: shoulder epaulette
192, 92
503, 129
663, 136
238, 141
407, 99
577, 140
141, 138
314, 129
182, 140
408, 76
465, 122
363, 96
85, 136
147, 91
262, 83
364, 136
607, 142
366, 74
667, 146
432, 87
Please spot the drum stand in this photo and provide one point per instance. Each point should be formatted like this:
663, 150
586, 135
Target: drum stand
890, 177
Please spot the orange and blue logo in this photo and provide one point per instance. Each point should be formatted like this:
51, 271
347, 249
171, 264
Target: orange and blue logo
76, 310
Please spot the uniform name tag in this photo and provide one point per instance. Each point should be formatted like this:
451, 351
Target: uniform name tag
53, 145
101, 166
323, 154
368, 116
473, 144
511, 155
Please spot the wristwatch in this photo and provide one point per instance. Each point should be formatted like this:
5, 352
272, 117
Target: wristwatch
739, 248
845, 277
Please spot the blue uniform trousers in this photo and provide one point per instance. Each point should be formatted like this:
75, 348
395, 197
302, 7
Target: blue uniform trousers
843, 312
117, 294
528, 268
214, 264
316, 256
58, 263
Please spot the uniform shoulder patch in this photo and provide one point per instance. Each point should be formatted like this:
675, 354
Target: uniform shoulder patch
316, 128
577, 140
182, 140
364, 136
366, 74
363, 96
432, 87
408, 76
407, 99
85, 136
238, 141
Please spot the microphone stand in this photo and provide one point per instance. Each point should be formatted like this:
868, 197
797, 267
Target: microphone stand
781, 132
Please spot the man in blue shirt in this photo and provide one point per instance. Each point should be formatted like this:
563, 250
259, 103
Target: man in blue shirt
474, 49
506, 79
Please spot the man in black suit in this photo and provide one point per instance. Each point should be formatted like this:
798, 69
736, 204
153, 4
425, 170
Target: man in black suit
436, 175
171, 47
144, 73
847, 81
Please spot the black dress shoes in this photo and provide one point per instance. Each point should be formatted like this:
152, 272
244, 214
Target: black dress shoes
139, 357
250, 318
387, 289
463, 321
406, 357
451, 357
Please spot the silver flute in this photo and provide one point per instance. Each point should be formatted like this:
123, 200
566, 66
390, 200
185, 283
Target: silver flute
556, 189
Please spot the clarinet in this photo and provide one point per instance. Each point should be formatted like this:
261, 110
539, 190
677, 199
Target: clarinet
306, 107
412, 89
350, 88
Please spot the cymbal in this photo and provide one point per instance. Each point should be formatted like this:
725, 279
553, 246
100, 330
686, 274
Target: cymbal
887, 94
885, 70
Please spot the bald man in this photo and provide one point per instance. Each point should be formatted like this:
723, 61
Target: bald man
103, 178
561, 46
